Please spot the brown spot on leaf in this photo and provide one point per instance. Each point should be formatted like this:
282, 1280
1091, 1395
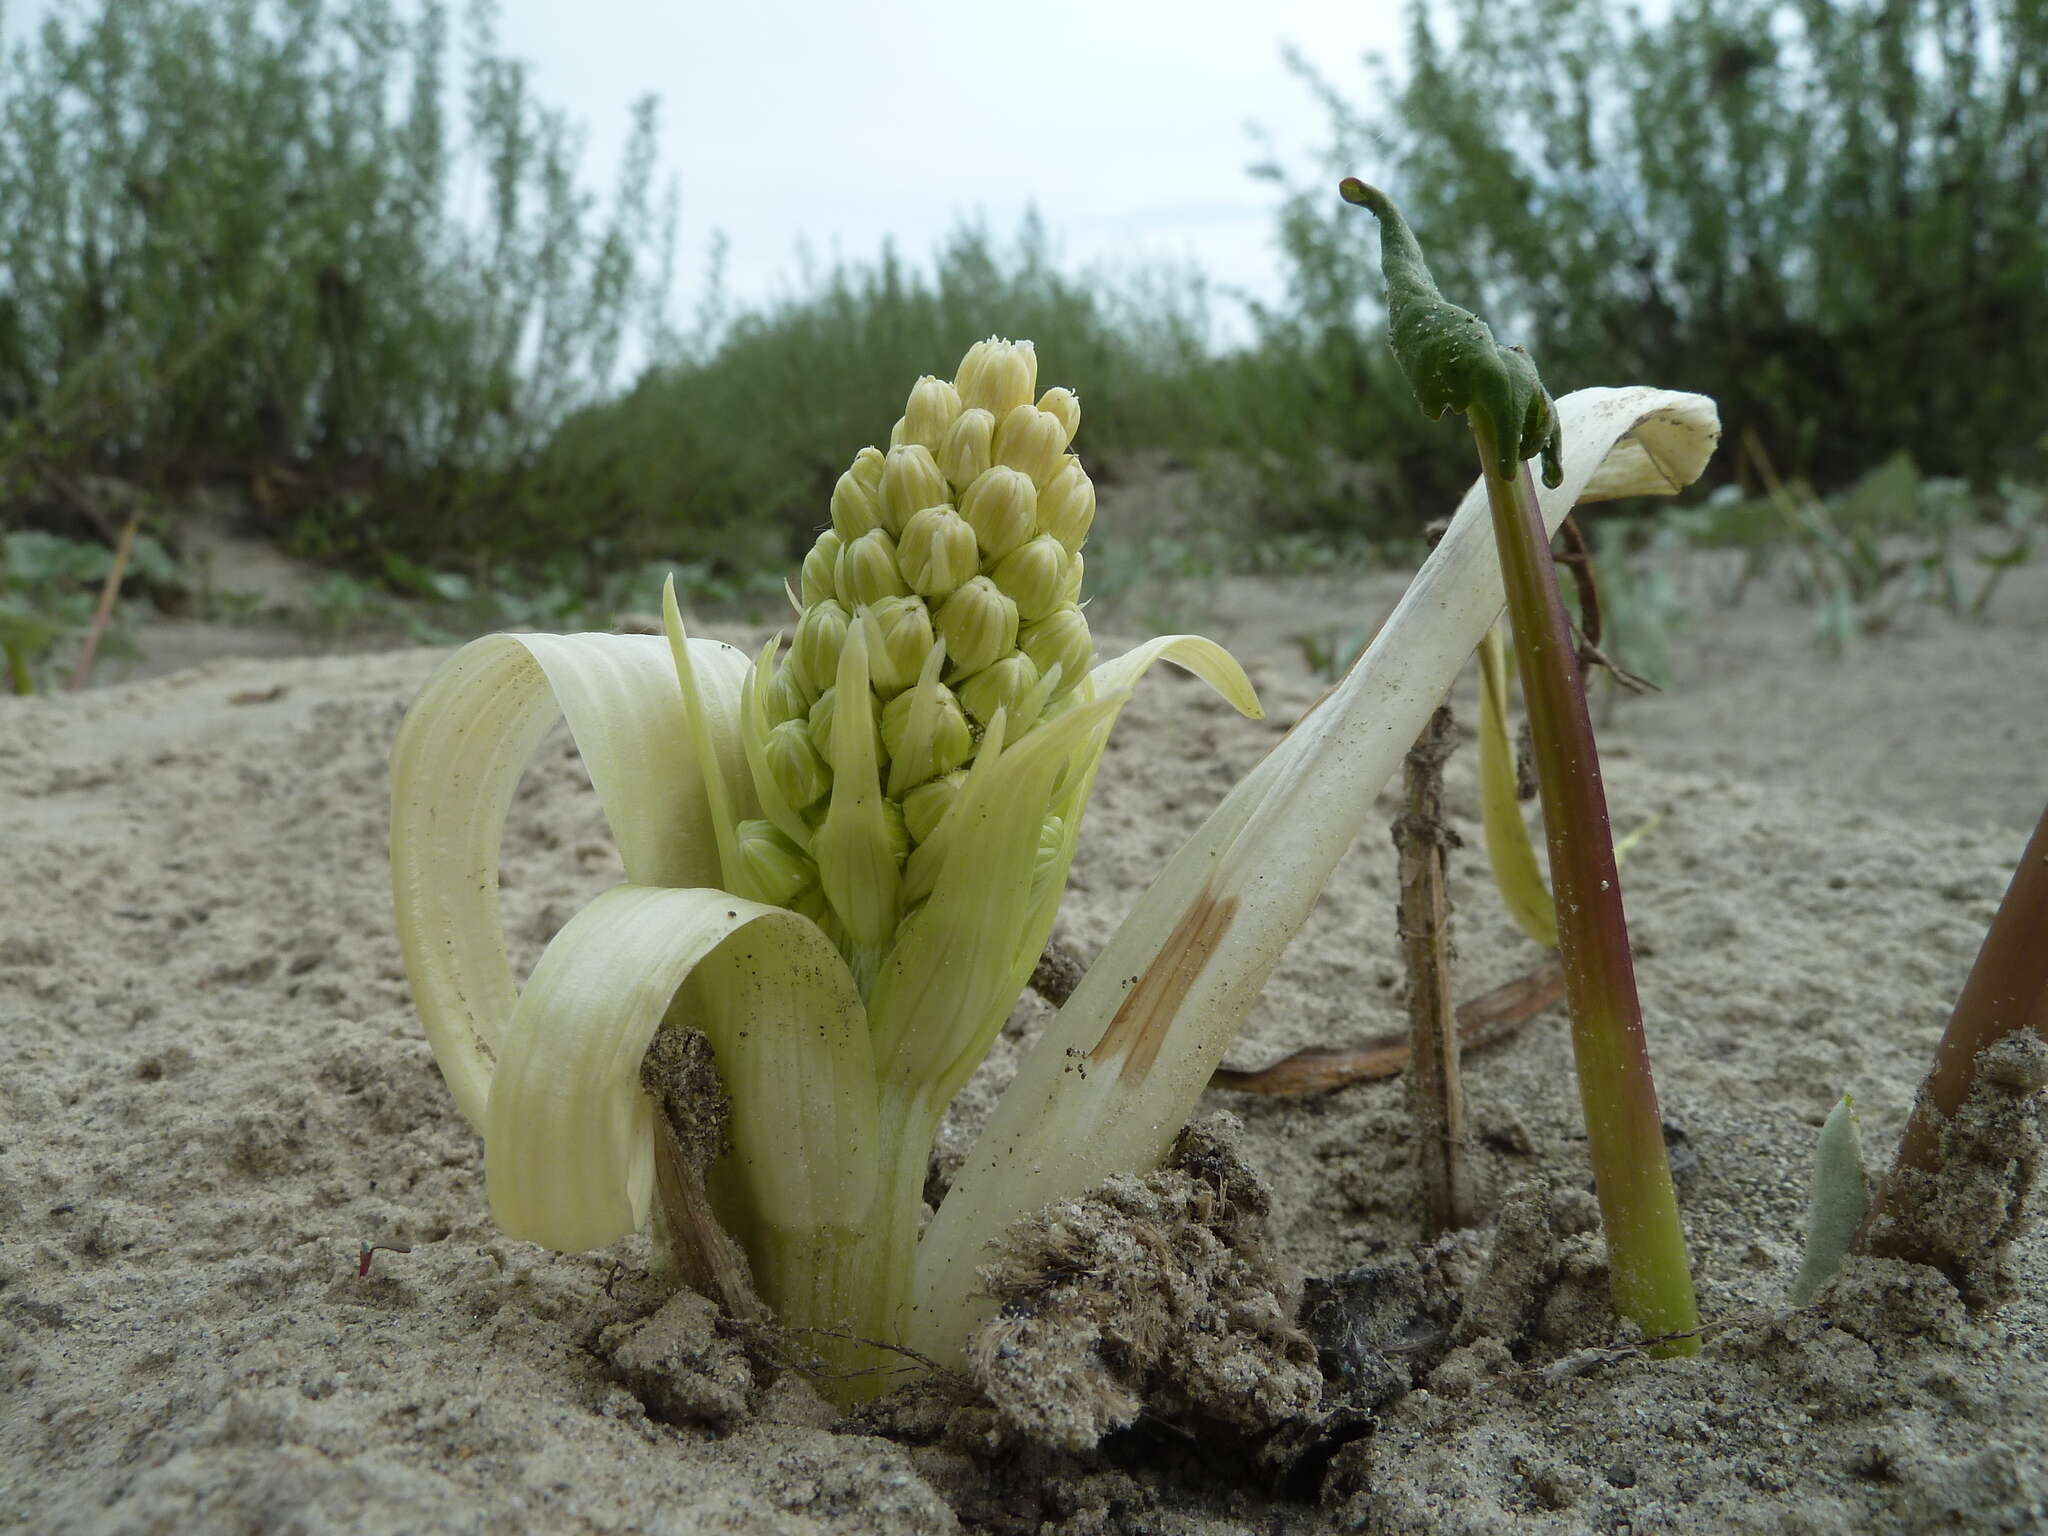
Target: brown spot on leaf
1139, 1028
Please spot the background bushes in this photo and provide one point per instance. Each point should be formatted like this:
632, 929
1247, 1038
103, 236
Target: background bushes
233, 249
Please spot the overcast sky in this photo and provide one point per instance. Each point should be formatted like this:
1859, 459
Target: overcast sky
837, 124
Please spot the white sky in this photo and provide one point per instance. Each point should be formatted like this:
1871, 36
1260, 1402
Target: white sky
837, 125
840, 125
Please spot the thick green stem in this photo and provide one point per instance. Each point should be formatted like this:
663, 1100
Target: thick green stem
1651, 1277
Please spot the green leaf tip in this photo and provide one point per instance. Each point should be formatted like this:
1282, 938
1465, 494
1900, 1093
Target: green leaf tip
1449, 354
1835, 1209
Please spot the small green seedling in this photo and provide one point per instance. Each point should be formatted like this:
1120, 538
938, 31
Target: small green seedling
1837, 1204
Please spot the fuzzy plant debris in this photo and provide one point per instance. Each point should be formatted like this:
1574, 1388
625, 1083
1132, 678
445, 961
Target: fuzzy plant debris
1154, 1295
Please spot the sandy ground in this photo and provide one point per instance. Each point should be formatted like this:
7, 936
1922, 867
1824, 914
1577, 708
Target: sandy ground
215, 1093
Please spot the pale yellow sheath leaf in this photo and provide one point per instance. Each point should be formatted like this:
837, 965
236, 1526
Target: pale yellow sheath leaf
455, 765
1509, 849
568, 1135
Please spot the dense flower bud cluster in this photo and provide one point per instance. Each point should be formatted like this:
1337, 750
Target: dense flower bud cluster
954, 557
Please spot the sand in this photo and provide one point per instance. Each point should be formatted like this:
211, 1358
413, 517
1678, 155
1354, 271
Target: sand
215, 1094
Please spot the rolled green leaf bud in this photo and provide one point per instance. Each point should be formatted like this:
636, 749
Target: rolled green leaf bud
1004, 685
1066, 405
1062, 641
867, 570
934, 407
969, 448
899, 639
925, 806
796, 765
1033, 441
855, 509
1034, 576
1002, 509
910, 482
820, 569
867, 469
822, 711
1066, 509
937, 551
979, 625
780, 870
820, 636
925, 734
788, 699
997, 376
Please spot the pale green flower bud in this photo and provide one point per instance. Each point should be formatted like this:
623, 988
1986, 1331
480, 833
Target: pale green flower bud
795, 764
823, 710
788, 699
867, 570
979, 626
899, 639
855, 509
817, 906
820, 567
820, 636
1066, 405
1066, 509
925, 734
1005, 686
1071, 592
997, 376
1002, 509
898, 833
1062, 641
780, 871
1034, 576
925, 806
1032, 441
934, 407
937, 551
867, 469
969, 448
911, 482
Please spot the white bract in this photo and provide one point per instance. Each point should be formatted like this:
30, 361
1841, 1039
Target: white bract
847, 902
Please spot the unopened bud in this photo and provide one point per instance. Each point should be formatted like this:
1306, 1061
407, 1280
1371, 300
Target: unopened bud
937, 551
796, 765
1066, 510
925, 734
867, 469
854, 509
1002, 508
1052, 838
826, 709
1034, 576
997, 376
979, 626
1071, 592
1004, 686
779, 870
1032, 441
1061, 640
1066, 405
788, 698
899, 639
969, 448
925, 806
911, 482
820, 567
897, 833
934, 407
867, 570
814, 653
